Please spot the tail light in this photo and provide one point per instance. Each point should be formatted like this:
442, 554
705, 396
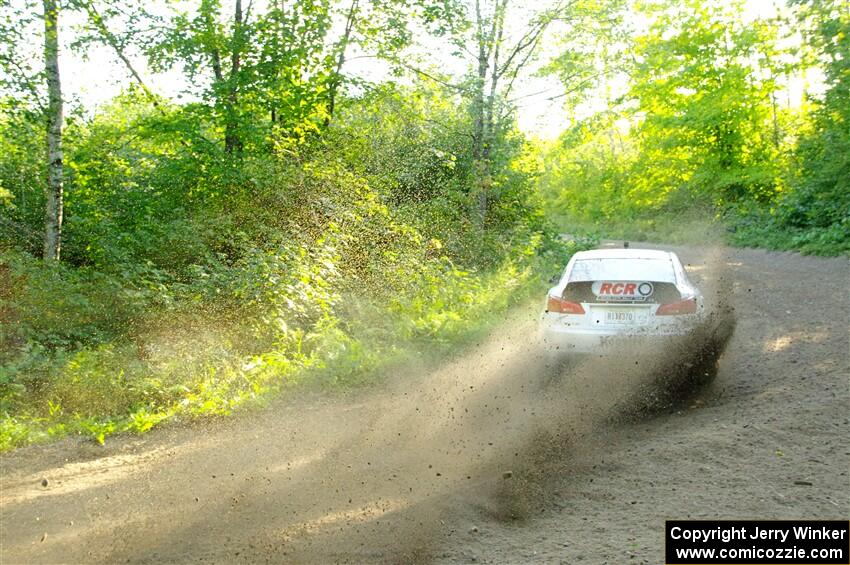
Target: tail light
688, 306
561, 306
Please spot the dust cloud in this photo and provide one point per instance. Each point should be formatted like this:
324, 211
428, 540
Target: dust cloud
383, 474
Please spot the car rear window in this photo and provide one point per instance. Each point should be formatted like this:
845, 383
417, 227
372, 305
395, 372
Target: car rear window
655, 270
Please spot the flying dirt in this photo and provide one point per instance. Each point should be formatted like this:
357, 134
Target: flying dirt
484, 458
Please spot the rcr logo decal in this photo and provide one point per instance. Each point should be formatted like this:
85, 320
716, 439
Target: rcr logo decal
633, 290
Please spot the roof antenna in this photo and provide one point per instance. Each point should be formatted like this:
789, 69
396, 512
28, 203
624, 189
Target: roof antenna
625, 245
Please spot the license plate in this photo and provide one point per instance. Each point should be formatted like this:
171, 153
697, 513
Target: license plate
621, 317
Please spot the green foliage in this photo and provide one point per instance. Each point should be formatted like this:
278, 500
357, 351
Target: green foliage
700, 139
817, 210
194, 284
704, 80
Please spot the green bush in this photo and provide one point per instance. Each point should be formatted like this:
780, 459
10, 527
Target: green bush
197, 283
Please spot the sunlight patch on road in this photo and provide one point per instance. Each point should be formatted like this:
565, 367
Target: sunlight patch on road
293, 464
783, 342
362, 514
779, 344
74, 477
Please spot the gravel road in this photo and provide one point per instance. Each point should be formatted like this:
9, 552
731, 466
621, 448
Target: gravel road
471, 460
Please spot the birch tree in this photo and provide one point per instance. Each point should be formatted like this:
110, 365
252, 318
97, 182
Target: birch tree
53, 212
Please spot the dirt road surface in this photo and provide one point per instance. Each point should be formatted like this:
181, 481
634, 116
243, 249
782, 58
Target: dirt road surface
474, 461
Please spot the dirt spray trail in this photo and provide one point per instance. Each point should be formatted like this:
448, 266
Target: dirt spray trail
373, 477
769, 439
442, 464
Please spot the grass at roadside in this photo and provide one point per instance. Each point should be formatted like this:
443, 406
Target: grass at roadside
765, 232
203, 361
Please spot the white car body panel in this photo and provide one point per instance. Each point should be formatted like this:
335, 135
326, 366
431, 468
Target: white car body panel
609, 320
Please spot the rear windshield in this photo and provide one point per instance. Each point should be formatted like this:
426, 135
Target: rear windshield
656, 270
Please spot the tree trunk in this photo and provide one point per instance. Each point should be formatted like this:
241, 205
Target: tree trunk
489, 121
208, 14
478, 101
232, 139
53, 212
480, 149
343, 45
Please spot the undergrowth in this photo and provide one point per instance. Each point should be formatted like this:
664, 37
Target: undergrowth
192, 365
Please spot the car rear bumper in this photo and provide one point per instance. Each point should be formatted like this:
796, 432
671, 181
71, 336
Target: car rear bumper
558, 338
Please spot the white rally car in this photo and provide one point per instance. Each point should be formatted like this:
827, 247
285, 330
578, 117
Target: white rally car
607, 298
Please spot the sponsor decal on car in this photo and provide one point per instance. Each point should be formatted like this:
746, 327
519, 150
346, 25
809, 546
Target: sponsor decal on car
622, 290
